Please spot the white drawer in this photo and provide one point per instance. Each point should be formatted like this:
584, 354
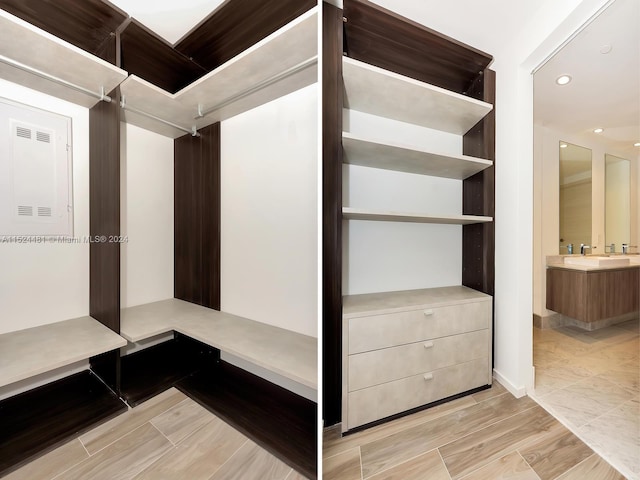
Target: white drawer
375, 403
388, 330
381, 366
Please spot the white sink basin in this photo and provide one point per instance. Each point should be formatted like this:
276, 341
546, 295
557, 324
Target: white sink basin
589, 261
635, 259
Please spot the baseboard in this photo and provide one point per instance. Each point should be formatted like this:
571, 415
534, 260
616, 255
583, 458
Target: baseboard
502, 380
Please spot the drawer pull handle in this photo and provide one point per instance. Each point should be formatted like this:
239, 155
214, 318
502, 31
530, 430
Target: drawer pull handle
428, 376
428, 345
428, 312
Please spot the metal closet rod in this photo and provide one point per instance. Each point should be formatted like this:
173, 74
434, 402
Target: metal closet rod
60, 81
269, 81
193, 131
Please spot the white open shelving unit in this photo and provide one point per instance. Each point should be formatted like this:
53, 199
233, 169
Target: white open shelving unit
281, 63
36, 59
386, 94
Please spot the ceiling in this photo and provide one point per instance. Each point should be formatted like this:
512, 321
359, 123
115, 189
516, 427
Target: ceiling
605, 88
170, 19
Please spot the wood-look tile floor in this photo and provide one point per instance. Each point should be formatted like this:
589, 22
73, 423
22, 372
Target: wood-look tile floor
490, 435
590, 382
169, 437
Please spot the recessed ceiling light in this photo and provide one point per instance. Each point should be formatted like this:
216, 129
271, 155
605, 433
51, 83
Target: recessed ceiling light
563, 145
598, 130
637, 144
605, 49
563, 79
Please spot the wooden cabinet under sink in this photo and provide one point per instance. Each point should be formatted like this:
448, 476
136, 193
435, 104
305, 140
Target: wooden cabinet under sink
593, 295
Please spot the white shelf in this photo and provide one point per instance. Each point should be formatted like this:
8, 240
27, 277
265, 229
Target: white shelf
232, 86
35, 48
392, 156
287, 353
379, 92
30, 352
349, 213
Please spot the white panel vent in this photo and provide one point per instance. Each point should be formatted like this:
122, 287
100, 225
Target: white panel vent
35, 172
43, 137
23, 132
44, 211
25, 210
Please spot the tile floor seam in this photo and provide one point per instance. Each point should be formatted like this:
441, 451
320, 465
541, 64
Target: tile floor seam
443, 463
117, 439
487, 426
527, 463
228, 459
600, 415
361, 469
413, 426
74, 465
156, 427
575, 466
478, 468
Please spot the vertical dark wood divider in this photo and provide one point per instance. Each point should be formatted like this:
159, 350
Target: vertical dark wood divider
478, 240
332, 102
104, 222
197, 217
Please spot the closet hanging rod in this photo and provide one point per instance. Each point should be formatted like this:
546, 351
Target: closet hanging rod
269, 81
52, 78
193, 131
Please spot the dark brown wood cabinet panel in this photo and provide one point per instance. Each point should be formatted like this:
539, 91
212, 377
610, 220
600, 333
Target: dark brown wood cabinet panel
237, 25
383, 38
332, 101
210, 151
197, 217
187, 219
104, 211
48, 416
478, 195
593, 295
566, 292
83, 23
622, 292
145, 54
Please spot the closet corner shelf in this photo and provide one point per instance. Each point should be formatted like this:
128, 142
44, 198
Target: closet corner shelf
350, 213
281, 63
30, 352
368, 152
379, 92
36, 49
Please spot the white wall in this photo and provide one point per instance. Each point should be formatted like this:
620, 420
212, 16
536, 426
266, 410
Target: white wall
46, 283
269, 220
390, 256
146, 216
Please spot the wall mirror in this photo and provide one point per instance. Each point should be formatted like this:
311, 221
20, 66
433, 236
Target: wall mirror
617, 202
575, 197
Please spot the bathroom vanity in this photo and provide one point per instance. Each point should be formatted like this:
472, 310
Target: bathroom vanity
595, 290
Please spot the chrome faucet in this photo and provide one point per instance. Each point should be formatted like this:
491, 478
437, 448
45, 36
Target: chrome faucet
582, 247
612, 248
569, 247
626, 246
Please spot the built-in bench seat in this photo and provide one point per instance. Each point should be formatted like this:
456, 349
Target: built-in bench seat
30, 352
289, 354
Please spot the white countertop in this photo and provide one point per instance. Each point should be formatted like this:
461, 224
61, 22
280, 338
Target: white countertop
390, 302
557, 261
284, 352
37, 350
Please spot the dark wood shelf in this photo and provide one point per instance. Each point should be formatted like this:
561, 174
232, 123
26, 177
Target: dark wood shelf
278, 420
41, 419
